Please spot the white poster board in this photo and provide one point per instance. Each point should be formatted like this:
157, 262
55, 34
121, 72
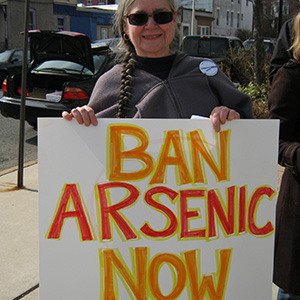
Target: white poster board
157, 209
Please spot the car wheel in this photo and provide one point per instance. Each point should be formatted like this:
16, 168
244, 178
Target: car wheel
2, 77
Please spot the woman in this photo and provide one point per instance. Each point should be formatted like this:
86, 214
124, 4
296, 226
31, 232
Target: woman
284, 104
153, 81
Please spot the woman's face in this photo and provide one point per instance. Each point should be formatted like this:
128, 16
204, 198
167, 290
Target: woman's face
151, 39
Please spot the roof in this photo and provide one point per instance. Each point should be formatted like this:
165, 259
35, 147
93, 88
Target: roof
106, 7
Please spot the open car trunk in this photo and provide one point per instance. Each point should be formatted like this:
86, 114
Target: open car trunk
44, 87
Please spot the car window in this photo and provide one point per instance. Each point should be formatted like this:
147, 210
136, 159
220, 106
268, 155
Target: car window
98, 62
190, 46
62, 67
248, 45
236, 45
269, 47
204, 47
213, 47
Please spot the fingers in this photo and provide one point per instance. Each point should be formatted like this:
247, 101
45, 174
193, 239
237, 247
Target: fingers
233, 115
83, 115
67, 115
221, 114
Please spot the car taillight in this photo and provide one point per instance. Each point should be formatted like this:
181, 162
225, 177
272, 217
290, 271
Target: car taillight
72, 93
4, 85
20, 91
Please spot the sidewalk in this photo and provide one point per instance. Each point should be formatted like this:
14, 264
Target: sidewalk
19, 251
19, 254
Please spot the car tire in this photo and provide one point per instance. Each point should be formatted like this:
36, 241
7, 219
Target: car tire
2, 77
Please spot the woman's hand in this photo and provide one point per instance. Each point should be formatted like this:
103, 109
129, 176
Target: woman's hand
83, 115
221, 114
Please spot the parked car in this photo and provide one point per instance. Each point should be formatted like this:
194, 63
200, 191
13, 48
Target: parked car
10, 62
64, 67
269, 46
217, 48
211, 46
111, 42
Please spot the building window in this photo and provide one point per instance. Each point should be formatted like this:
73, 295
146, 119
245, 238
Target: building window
104, 33
185, 30
238, 20
61, 23
203, 30
31, 20
89, 2
227, 18
218, 17
231, 19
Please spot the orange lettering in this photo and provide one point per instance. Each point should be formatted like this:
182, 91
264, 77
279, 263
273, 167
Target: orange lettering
174, 261
198, 146
136, 282
117, 154
214, 287
179, 160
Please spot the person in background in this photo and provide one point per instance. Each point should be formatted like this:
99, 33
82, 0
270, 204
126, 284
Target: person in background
284, 104
282, 52
155, 82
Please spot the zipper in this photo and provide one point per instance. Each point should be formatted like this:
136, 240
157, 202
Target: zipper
174, 99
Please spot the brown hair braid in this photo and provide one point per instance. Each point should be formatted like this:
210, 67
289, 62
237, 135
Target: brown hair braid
129, 64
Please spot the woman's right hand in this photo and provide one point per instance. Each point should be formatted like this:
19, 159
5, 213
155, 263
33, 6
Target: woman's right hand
83, 115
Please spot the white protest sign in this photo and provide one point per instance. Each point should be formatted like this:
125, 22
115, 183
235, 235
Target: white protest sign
157, 209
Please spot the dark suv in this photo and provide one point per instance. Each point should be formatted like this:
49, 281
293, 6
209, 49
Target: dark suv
211, 46
64, 67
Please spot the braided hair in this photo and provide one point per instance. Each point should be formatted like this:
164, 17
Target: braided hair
129, 57
129, 64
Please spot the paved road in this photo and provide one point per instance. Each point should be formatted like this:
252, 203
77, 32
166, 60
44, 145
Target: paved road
9, 143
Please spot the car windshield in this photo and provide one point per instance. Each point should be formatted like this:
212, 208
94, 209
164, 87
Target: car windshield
250, 44
4, 56
207, 47
68, 67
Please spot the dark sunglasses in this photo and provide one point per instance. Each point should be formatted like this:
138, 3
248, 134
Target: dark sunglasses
140, 19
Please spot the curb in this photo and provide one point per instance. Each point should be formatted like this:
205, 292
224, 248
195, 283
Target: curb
13, 169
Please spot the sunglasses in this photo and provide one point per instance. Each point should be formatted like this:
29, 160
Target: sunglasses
140, 19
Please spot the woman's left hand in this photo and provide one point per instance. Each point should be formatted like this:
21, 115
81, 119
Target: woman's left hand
221, 114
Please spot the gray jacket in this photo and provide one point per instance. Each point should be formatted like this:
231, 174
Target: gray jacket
186, 92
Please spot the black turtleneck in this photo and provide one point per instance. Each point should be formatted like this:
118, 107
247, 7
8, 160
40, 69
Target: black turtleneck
159, 67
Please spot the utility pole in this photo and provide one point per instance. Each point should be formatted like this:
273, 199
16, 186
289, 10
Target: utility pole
23, 96
193, 18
